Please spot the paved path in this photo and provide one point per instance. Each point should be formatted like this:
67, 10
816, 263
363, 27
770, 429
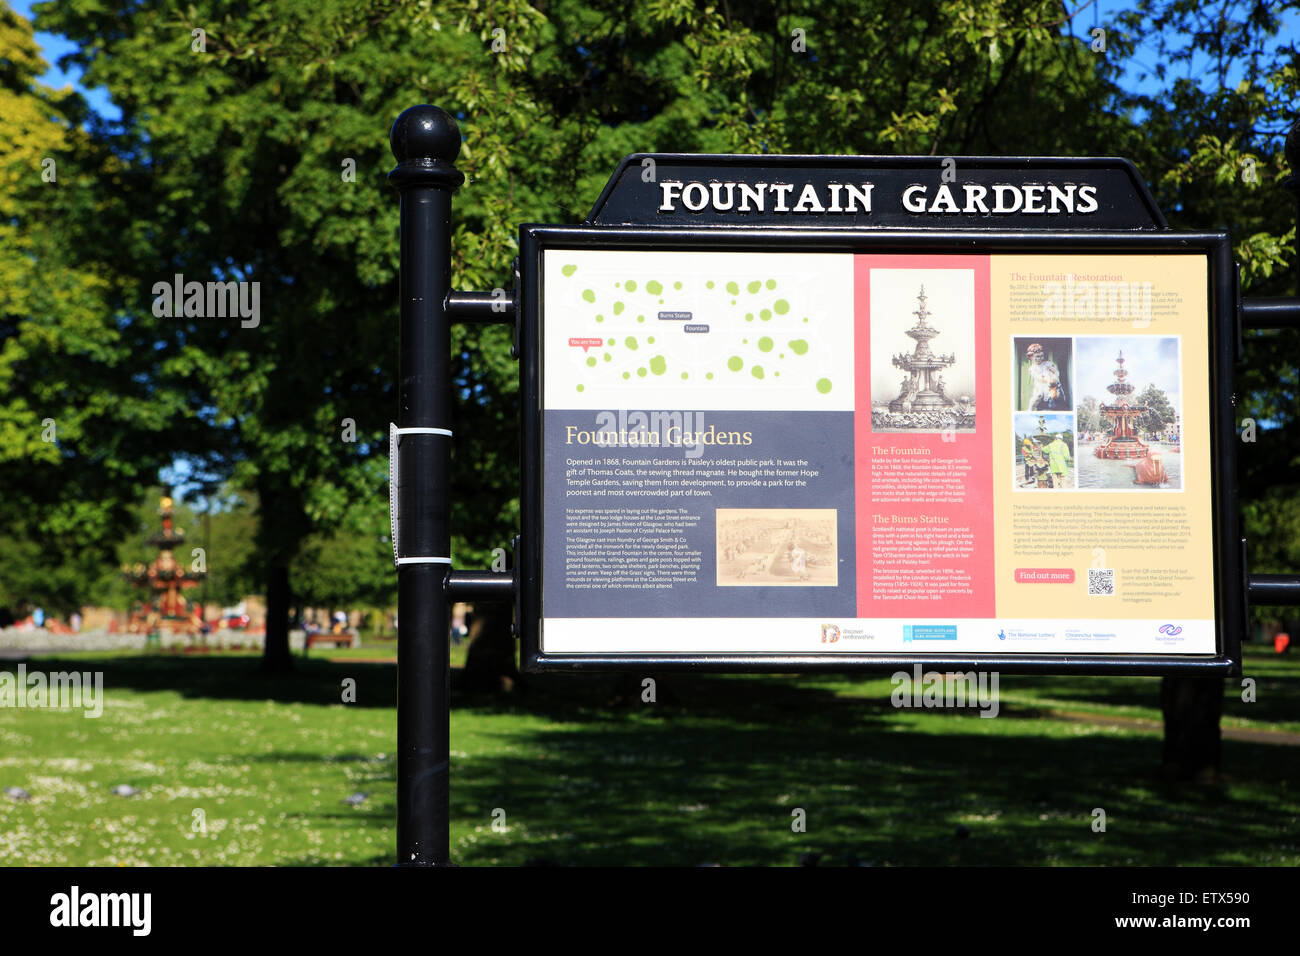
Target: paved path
1284, 738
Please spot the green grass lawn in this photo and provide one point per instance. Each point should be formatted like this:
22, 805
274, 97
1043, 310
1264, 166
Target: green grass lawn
711, 773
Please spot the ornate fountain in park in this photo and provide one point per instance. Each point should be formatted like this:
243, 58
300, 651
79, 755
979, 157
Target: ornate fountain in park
1123, 442
164, 581
922, 389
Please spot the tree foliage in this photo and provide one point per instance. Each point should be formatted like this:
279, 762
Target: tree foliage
232, 162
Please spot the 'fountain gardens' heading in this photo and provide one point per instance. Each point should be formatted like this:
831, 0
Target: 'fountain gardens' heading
953, 199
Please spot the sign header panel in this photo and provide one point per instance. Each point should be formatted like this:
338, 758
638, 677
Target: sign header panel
877, 192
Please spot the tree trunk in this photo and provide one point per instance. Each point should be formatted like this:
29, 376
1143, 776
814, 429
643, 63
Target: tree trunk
1192, 707
275, 653
490, 664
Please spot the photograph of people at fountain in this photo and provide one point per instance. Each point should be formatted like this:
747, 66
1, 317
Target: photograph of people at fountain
1129, 417
1044, 452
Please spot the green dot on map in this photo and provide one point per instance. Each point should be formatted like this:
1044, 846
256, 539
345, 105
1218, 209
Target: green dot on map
765, 315
600, 318
641, 372
781, 306
824, 385
735, 363
749, 316
618, 308
630, 343
756, 371
569, 269
610, 342
765, 344
777, 374
771, 283
709, 284
754, 286
658, 365
661, 301
685, 375
654, 287
744, 341
651, 340
627, 374
589, 295
677, 285
798, 346
640, 318
709, 376
733, 301
805, 320
580, 388
780, 355
618, 285
630, 285
591, 360
608, 357
733, 288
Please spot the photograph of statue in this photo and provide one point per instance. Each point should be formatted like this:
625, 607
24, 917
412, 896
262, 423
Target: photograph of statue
1043, 371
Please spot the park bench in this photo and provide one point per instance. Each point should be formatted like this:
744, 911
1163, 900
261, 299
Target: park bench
344, 639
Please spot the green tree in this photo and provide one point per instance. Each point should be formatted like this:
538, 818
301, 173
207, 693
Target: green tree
1160, 412
82, 433
1087, 416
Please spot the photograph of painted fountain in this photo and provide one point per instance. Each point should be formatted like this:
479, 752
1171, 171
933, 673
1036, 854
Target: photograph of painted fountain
1136, 442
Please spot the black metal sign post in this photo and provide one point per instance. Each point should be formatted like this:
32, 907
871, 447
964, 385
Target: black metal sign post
690, 204
425, 141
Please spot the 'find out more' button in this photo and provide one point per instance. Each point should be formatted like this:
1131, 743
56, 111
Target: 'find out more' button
1044, 575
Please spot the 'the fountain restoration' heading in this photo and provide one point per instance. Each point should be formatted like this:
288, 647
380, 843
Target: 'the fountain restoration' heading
855, 198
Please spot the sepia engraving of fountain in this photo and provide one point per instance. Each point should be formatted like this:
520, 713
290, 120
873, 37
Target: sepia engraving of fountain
922, 388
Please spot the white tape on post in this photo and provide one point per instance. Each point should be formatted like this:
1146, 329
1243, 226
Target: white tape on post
394, 435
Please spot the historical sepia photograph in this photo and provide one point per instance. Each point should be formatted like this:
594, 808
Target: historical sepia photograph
777, 547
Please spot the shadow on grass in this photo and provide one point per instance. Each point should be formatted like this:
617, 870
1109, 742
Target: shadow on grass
235, 678
715, 776
715, 771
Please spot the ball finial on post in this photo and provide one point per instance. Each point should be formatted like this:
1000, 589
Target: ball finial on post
425, 141
425, 132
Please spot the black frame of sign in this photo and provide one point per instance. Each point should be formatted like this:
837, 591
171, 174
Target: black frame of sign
1223, 334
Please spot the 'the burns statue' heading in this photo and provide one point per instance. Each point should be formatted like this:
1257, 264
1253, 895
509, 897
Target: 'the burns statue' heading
953, 199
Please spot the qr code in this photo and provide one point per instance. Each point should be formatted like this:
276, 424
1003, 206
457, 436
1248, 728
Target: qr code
1101, 581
